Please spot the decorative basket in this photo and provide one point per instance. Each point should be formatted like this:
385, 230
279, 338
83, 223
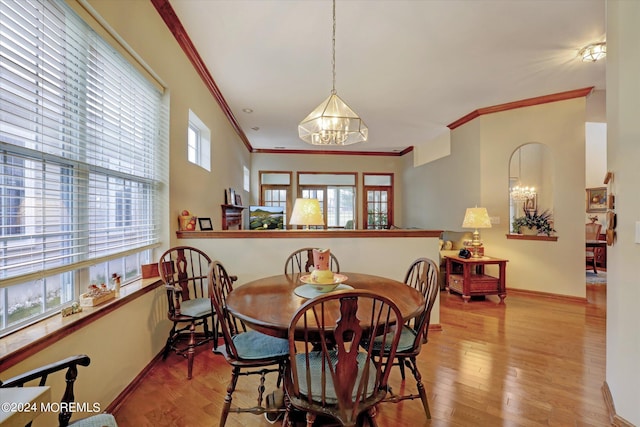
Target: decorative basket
90, 301
184, 221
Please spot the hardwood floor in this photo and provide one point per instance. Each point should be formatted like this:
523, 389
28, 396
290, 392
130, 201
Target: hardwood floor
531, 362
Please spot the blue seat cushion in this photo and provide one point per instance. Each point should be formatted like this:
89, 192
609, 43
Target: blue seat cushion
196, 307
255, 345
315, 367
407, 338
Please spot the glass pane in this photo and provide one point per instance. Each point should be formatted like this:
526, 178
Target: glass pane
132, 267
24, 301
377, 180
98, 274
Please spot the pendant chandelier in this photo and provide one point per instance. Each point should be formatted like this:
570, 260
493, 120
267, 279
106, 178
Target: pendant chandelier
520, 193
333, 122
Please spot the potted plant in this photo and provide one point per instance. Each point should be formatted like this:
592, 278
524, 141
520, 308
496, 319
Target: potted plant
533, 223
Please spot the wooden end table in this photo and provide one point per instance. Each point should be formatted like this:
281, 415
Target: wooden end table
473, 281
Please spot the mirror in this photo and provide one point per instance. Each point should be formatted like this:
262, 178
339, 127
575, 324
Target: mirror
530, 181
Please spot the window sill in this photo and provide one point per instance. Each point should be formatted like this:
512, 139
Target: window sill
524, 237
28, 341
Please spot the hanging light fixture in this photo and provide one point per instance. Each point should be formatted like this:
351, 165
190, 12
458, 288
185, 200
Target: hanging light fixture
593, 52
333, 122
521, 193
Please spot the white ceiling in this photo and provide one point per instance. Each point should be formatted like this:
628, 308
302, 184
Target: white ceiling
407, 67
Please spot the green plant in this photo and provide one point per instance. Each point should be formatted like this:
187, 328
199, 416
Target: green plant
531, 219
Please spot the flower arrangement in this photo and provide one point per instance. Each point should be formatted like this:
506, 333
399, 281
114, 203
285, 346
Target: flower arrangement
532, 219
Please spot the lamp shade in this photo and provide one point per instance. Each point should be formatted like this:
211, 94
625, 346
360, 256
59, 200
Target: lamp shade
476, 218
306, 212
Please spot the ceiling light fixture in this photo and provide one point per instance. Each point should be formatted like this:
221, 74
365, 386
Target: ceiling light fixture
333, 122
593, 52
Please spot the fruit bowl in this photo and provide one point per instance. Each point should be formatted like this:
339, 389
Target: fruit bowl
324, 287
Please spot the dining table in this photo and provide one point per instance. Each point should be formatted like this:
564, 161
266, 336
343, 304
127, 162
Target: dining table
268, 304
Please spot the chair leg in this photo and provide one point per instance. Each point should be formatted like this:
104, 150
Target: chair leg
421, 390
594, 265
167, 347
401, 361
191, 351
235, 372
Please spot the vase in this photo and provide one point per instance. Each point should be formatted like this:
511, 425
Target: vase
321, 259
529, 231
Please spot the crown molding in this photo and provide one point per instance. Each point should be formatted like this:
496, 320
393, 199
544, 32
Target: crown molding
562, 96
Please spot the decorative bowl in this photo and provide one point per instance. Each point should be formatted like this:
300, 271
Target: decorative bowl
324, 287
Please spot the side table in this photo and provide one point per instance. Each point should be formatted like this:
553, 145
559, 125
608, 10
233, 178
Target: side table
473, 281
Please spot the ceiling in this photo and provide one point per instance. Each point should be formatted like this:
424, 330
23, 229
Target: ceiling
409, 68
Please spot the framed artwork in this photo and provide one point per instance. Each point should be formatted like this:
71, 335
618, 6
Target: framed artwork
227, 196
205, 224
531, 204
238, 200
597, 199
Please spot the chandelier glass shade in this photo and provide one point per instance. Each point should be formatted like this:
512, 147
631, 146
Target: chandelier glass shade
593, 52
522, 194
333, 122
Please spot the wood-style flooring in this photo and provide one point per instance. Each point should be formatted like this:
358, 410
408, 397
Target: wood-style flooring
531, 362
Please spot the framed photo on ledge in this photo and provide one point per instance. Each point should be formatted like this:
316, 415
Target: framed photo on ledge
597, 199
205, 224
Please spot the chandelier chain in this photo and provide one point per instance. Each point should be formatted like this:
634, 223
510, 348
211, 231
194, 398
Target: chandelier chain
333, 48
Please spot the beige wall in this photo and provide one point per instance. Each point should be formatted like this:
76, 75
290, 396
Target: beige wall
477, 173
623, 156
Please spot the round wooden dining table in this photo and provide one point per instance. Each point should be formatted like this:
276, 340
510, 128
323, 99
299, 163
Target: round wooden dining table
268, 304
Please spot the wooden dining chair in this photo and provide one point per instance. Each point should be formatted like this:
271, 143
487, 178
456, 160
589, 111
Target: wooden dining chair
329, 373
248, 352
301, 261
39, 376
422, 275
592, 232
184, 272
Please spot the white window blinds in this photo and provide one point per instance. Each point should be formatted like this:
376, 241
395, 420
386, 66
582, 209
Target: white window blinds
80, 144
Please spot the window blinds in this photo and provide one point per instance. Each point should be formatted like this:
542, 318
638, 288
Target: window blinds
80, 144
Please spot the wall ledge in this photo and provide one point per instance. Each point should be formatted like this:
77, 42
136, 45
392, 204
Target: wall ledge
524, 237
304, 234
28, 341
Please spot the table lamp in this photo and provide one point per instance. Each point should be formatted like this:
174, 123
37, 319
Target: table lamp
476, 218
306, 212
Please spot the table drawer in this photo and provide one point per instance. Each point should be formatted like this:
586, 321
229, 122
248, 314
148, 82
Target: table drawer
484, 283
455, 282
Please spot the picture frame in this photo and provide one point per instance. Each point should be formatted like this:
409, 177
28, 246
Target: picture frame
227, 196
531, 204
205, 224
238, 200
596, 199
232, 196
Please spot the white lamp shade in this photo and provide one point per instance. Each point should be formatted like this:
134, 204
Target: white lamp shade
306, 212
476, 218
